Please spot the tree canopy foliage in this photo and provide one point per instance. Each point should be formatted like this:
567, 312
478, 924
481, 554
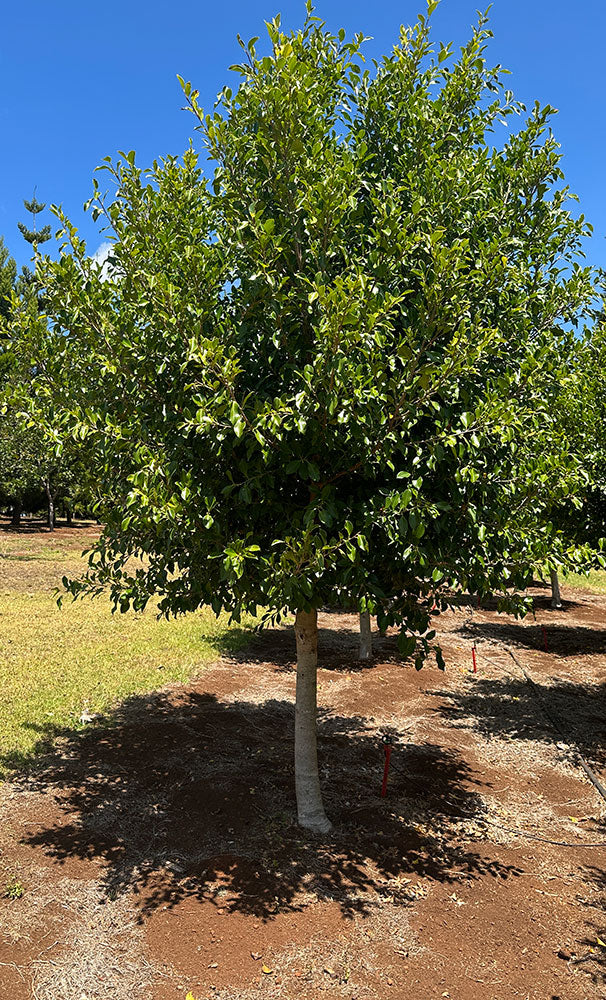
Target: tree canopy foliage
325, 372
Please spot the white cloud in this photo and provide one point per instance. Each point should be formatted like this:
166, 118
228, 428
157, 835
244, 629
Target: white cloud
100, 258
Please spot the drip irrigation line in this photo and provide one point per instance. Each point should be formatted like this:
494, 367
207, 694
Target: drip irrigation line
535, 836
581, 762
525, 833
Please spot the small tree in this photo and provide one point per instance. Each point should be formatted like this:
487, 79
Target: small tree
324, 376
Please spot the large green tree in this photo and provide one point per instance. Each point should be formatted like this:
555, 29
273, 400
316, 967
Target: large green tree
325, 374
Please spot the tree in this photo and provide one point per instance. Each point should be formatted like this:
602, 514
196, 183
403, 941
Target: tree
35, 237
19, 465
582, 413
30, 462
365, 635
8, 275
325, 375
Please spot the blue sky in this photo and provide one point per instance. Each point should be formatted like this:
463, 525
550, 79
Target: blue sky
78, 81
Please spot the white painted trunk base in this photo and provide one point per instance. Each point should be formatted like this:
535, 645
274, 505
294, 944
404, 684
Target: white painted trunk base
556, 599
310, 809
365, 636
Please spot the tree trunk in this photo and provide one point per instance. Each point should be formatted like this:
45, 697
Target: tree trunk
365, 636
69, 517
310, 810
51, 506
556, 600
16, 515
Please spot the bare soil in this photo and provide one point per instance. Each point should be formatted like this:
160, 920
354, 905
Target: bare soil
159, 855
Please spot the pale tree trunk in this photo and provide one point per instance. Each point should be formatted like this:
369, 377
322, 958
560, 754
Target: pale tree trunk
310, 810
556, 600
365, 636
51, 506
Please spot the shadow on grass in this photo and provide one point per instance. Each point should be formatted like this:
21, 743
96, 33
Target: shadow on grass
227, 643
189, 796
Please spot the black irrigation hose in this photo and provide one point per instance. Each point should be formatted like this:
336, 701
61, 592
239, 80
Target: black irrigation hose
595, 781
544, 840
580, 760
524, 833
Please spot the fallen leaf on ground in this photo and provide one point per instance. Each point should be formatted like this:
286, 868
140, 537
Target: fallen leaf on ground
266, 969
256, 955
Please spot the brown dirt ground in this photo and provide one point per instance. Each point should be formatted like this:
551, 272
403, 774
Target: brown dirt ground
159, 853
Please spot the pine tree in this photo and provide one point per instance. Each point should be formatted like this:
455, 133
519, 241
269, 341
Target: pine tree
34, 236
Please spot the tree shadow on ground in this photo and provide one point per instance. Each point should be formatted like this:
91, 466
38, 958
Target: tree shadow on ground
489, 603
338, 646
188, 796
509, 707
39, 525
564, 640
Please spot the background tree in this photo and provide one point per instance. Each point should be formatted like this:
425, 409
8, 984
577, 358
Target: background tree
20, 486
34, 470
326, 375
34, 236
8, 275
582, 410
27, 286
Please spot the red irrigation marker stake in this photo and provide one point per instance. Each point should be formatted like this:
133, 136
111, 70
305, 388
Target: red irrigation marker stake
473, 654
545, 638
388, 749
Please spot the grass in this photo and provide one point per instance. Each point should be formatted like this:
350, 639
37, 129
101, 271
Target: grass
56, 663
595, 582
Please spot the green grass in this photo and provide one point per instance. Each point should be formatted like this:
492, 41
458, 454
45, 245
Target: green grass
56, 662
595, 582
